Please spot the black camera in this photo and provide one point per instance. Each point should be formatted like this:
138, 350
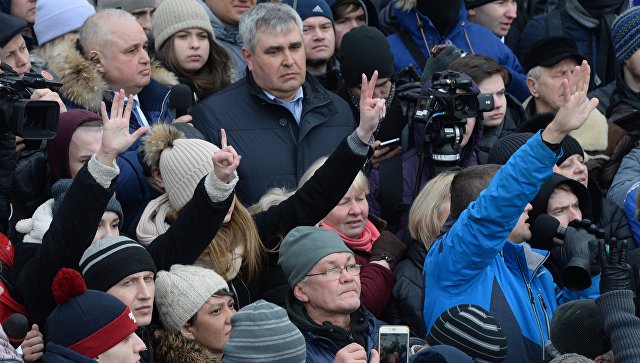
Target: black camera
444, 109
29, 119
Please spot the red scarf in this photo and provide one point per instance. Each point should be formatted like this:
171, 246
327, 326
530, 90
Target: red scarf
364, 242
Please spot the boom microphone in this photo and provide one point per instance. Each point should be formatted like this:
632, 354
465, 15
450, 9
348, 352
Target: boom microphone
181, 99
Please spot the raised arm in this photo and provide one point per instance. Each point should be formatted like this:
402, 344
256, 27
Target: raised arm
201, 218
482, 229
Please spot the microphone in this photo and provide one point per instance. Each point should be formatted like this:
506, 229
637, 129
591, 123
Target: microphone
16, 327
543, 230
181, 99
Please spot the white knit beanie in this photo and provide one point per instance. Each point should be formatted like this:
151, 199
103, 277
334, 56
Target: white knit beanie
182, 166
177, 15
182, 291
55, 18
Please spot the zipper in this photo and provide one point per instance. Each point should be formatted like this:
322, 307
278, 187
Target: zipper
533, 305
546, 317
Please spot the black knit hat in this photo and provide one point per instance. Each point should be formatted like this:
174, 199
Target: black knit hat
60, 188
363, 50
549, 51
111, 259
570, 146
11, 26
470, 4
471, 329
541, 200
577, 327
506, 146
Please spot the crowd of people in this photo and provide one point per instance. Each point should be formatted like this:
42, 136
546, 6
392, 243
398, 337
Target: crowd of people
274, 181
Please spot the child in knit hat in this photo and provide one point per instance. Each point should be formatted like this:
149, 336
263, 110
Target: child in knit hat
195, 309
185, 45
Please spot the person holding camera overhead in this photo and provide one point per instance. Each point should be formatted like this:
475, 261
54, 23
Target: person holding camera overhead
483, 256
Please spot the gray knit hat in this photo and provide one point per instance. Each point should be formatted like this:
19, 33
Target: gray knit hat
262, 332
173, 16
303, 247
182, 291
60, 188
111, 259
126, 5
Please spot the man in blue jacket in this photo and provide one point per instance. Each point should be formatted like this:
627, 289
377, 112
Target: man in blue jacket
483, 258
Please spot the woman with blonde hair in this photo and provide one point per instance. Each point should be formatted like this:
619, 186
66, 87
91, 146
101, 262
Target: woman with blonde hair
427, 215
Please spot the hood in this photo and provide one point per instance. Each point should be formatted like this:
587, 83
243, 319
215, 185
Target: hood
83, 85
230, 35
541, 200
170, 347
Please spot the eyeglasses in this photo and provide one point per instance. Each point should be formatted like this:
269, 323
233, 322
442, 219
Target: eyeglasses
334, 273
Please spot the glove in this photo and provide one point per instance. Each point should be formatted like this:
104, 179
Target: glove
616, 272
575, 257
388, 248
440, 62
408, 95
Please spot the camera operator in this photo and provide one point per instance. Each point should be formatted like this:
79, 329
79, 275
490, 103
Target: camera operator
418, 165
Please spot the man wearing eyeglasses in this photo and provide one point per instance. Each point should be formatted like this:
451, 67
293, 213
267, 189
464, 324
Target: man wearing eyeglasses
324, 300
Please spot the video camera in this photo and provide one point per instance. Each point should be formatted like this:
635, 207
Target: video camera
29, 119
444, 109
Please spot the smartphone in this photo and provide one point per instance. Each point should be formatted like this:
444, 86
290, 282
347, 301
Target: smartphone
393, 343
390, 142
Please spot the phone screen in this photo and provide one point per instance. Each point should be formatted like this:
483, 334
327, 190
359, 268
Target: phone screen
394, 347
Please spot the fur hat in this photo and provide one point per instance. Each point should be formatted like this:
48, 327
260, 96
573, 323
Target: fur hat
303, 247
263, 329
173, 16
182, 291
111, 259
182, 162
624, 34
86, 321
126, 5
55, 18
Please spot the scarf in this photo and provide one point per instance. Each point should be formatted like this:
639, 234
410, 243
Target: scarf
598, 15
153, 220
364, 242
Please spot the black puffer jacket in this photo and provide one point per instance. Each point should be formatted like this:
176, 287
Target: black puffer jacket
407, 296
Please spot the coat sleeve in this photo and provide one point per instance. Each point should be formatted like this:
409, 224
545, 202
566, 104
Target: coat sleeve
377, 282
628, 174
192, 232
71, 231
480, 232
621, 324
309, 204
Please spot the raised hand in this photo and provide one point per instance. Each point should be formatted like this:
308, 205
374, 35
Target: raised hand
115, 135
226, 160
575, 108
615, 270
33, 345
372, 110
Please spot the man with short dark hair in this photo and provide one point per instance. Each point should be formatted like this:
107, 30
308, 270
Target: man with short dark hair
507, 114
483, 258
496, 15
279, 119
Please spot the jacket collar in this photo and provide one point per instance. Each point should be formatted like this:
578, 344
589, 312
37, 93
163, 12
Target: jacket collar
523, 260
173, 347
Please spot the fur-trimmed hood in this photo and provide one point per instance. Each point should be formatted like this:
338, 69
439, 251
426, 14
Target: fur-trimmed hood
174, 348
406, 5
83, 85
